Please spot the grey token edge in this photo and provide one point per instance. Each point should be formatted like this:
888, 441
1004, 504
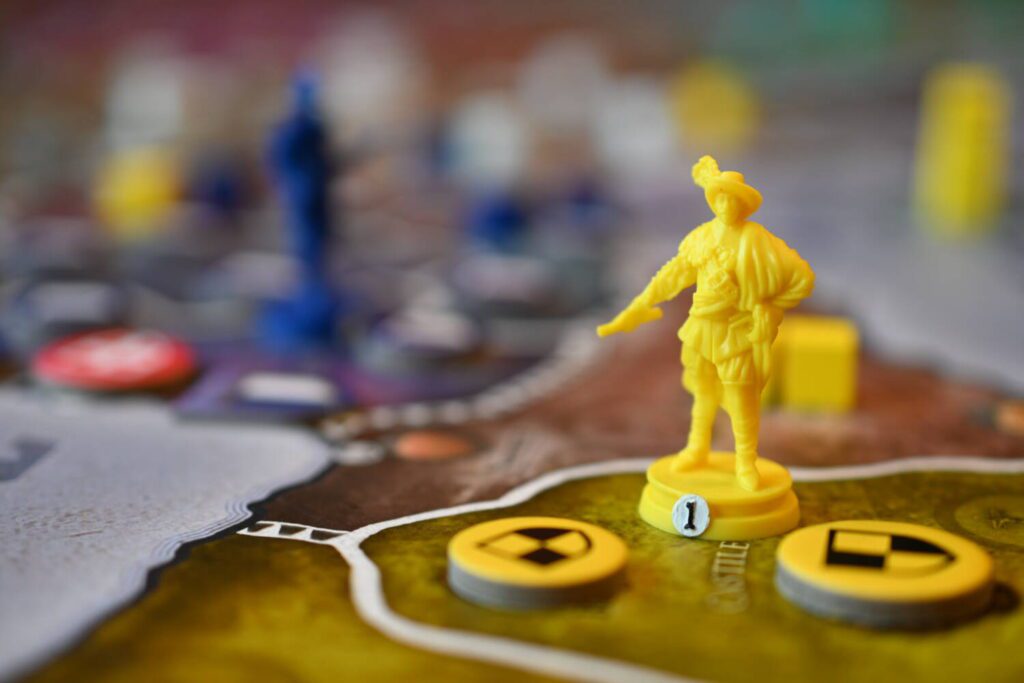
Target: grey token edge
884, 614
495, 594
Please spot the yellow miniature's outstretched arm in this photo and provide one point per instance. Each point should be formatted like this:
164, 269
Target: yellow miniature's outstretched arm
671, 278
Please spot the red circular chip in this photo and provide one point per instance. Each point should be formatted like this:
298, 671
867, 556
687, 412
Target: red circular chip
115, 360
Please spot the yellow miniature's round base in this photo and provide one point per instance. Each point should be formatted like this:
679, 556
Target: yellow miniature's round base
736, 514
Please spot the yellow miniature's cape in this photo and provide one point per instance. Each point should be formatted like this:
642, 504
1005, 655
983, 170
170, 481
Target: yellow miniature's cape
746, 306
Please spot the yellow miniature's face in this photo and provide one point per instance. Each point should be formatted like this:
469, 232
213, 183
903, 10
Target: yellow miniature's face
728, 209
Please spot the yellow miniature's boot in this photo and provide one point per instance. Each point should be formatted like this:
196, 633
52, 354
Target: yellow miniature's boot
741, 402
746, 470
698, 445
691, 457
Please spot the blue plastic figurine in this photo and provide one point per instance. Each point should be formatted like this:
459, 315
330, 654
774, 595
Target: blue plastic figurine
302, 168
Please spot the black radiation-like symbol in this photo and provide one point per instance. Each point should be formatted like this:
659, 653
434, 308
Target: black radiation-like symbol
898, 543
539, 550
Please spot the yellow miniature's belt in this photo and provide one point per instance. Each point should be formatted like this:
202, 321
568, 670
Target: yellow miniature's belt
712, 305
721, 313
712, 312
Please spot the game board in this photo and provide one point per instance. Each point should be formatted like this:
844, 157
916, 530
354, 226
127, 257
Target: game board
343, 576
383, 291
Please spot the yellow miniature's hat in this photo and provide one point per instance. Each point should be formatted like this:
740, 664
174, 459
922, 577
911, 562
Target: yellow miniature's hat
714, 181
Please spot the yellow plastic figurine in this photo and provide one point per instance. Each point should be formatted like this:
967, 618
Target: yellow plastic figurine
745, 277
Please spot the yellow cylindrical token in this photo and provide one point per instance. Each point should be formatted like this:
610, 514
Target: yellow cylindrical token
886, 574
524, 562
136, 191
714, 105
964, 152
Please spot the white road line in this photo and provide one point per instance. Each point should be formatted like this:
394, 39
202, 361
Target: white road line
268, 529
369, 601
371, 604
930, 463
576, 348
368, 597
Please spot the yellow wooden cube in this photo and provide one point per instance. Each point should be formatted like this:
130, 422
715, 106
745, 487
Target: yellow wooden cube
815, 364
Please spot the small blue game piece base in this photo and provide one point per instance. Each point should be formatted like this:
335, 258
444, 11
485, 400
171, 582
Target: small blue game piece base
306, 321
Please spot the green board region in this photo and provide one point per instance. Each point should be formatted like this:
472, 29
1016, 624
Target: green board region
253, 609
246, 608
681, 615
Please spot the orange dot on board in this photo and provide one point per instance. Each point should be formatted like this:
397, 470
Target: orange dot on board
428, 444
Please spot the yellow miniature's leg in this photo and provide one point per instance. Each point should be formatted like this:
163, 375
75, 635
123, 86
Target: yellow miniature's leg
743, 404
701, 379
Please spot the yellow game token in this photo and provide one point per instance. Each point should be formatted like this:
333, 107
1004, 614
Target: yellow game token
963, 154
136, 191
524, 562
715, 104
885, 574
